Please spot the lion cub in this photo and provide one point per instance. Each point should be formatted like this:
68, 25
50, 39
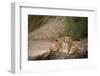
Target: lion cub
73, 47
56, 46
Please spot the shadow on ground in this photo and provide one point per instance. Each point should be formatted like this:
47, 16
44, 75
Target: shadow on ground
59, 55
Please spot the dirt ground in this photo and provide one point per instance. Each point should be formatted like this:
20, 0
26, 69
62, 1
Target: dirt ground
39, 48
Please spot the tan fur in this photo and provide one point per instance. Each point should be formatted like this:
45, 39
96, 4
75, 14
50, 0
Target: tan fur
72, 46
56, 46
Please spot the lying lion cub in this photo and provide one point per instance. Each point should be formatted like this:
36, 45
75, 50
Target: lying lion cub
56, 46
73, 47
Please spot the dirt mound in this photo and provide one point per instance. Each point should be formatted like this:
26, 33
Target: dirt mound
51, 29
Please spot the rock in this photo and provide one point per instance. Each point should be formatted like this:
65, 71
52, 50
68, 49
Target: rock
59, 55
43, 56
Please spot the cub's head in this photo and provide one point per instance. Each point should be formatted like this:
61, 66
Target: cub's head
58, 39
67, 39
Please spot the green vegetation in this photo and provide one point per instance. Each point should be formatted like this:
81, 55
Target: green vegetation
33, 21
36, 21
76, 27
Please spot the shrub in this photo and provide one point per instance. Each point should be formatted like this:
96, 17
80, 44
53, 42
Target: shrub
76, 27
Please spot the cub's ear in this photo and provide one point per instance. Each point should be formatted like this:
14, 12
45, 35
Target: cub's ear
64, 37
70, 37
